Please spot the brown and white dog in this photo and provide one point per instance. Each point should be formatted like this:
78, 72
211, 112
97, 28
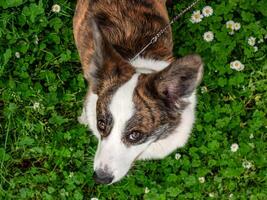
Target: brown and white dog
141, 109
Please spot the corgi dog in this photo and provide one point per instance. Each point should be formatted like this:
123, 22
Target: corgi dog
138, 109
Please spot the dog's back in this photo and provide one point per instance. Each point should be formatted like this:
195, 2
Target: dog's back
128, 25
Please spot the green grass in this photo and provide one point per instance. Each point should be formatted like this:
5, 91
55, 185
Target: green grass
46, 154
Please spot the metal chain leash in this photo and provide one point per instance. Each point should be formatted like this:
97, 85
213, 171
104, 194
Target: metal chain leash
159, 34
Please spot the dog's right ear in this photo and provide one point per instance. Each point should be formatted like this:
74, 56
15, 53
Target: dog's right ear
102, 51
107, 67
99, 45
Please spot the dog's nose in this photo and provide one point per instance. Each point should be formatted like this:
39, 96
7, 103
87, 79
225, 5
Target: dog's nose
100, 176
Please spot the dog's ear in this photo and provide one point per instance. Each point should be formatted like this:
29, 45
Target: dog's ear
179, 79
106, 66
100, 46
102, 51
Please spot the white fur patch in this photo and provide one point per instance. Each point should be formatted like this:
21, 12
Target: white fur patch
145, 66
83, 118
122, 106
112, 153
178, 138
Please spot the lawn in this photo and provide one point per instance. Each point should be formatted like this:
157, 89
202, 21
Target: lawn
46, 154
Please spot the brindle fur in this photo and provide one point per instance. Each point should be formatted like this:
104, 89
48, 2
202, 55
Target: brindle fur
128, 25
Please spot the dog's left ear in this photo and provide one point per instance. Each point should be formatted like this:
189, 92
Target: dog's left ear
179, 79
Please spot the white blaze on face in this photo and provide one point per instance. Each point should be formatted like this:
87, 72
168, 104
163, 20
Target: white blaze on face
112, 154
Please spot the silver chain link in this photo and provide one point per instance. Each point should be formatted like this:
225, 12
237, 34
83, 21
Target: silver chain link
159, 34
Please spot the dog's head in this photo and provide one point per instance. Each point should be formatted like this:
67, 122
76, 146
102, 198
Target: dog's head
128, 111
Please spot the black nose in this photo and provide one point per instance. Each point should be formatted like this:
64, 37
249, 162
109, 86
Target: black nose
100, 176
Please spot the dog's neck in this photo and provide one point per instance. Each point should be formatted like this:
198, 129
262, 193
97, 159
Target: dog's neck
147, 66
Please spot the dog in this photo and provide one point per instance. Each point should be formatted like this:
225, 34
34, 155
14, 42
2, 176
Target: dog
138, 109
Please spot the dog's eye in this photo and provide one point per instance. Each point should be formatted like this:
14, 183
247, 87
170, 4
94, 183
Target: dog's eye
134, 136
101, 125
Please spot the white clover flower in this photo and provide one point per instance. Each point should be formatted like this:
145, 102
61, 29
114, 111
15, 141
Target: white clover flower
208, 36
231, 196
17, 55
233, 26
201, 179
246, 164
204, 89
234, 147
94, 198
237, 26
146, 190
251, 41
71, 174
251, 136
207, 11
36, 105
260, 41
230, 24
196, 17
56, 8
178, 156
211, 195
237, 65
255, 48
